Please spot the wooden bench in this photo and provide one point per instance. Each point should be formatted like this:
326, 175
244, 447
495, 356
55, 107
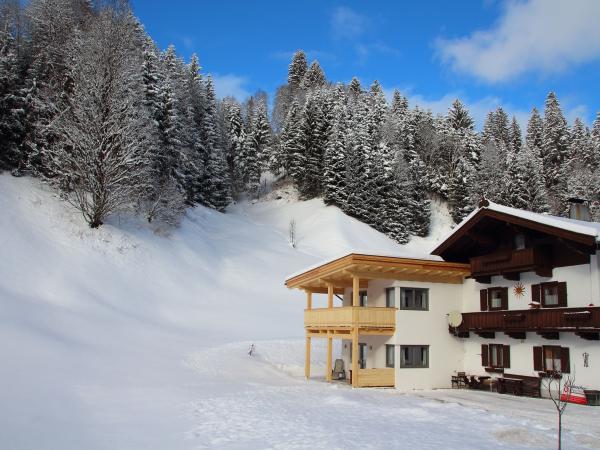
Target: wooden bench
519, 385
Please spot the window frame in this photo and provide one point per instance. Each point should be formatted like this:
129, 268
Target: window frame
391, 290
411, 348
557, 351
389, 363
414, 289
543, 286
363, 299
498, 351
491, 290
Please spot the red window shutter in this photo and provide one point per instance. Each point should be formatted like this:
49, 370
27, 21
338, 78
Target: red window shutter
483, 299
538, 359
565, 365
506, 356
504, 298
562, 294
485, 353
535, 293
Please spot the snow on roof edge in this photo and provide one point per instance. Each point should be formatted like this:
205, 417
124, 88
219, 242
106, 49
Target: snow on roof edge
576, 226
405, 255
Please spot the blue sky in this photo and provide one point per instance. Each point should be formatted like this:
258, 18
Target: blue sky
486, 52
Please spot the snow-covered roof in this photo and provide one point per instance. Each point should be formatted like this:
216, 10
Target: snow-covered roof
403, 255
575, 226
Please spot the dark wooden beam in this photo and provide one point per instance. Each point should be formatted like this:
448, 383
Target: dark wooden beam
484, 280
516, 334
486, 334
588, 336
543, 271
515, 276
552, 335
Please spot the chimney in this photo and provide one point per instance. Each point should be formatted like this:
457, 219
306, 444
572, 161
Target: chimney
579, 209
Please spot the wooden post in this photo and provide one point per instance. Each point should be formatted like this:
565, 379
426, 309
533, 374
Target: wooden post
308, 300
355, 357
307, 361
329, 351
329, 295
355, 291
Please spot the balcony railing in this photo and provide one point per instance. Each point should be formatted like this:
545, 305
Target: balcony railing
376, 377
585, 319
511, 261
350, 317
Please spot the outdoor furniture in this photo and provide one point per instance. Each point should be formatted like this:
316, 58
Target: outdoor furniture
460, 380
338, 372
521, 385
593, 397
478, 381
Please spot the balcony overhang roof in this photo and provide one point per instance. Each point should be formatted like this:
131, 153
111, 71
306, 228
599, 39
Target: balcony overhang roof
340, 272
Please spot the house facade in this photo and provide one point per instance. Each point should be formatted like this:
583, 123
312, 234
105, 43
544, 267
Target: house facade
523, 290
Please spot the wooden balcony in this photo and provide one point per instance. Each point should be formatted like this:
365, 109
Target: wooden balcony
512, 262
343, 320
584, 322
376, 377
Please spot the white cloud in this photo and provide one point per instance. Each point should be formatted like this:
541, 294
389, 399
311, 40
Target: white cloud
347, 23
231, 85
547, 36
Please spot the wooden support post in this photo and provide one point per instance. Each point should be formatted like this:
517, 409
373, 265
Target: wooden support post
329, 295
355, 357
355, 291
307, 361
308, 300
329, 351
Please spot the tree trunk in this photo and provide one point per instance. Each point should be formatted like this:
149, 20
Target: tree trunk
559, 430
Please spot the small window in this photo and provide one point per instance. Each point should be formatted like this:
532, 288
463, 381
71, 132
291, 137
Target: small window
495, 298
390, 298
552, 359
414, 356
389, 355
363, 298
519, 241
414, 298
496, 355
550, 294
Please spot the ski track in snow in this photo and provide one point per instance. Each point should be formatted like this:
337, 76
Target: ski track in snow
121, 338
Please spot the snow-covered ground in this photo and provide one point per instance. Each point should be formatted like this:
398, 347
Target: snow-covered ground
121, 338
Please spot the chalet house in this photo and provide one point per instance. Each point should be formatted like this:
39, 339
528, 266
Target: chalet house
507, 292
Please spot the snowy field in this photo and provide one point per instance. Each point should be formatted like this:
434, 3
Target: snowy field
123, 338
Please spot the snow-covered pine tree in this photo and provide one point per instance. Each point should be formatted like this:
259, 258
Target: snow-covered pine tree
515, 138
12, 104
554, 153
355, 90
312, 144
356, 168
236, 138
291, 155
523, 185
100, 158
314, 77
297, 69
580, 146
335, 153
460, 199
595, 138
535, 127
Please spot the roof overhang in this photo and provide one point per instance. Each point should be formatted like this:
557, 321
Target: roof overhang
586, 239
341, 271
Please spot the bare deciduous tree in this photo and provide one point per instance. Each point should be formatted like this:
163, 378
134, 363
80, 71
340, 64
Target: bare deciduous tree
292, 233
559, 387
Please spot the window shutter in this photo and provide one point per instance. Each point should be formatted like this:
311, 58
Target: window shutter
506, 356
562, 293
484, 355
504, 298
538, 359
483, 299
565, 366
535, 293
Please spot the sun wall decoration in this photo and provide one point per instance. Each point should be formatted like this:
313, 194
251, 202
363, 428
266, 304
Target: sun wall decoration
519, 290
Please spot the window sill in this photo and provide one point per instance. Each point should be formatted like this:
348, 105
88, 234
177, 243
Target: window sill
549, 374
494, 369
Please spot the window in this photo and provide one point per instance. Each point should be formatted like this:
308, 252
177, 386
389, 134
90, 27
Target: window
390, 297
550, 294
496, 352
362, 298
552, 359
414, 298
495, 357
389, 355
414, 356
495, 298
519, 241
362, 356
